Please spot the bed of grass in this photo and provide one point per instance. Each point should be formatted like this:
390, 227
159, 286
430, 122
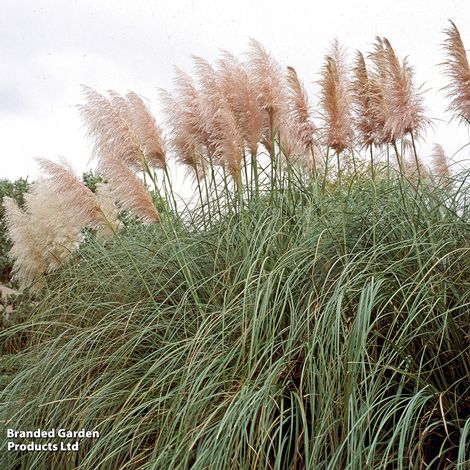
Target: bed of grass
306, 327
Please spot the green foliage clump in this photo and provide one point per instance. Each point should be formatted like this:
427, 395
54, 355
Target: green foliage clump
91, 180
299, 329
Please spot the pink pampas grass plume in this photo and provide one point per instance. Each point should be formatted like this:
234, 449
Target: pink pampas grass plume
335, 100
299, 110
405, 110
457, 70
239, 90
269, 83
128, 190
111, 134
439, 161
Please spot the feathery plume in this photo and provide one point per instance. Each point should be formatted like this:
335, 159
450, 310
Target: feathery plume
336, 101
440, 164
270, 88
227, 141
405, 110
128, 190
294, 149
190, 100
44, 235
378, 79
365, 118
239, 90
74, 193
298, 141
109, 210
457, 69
26, 253
142, 128
57, 227
184, 117
145, 128
112, 135
299, 110
184, 144
221, 124
414, 169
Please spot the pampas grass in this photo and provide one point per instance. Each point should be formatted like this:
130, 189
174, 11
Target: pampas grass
56, 226
458, 71
146, 130
110, 211
239, 89
440, 167
221, 114
269, 84
110, 133
73, 193
294, 319
396, 104
187, 137
440, 162
322, 333
26, 252
377, 80
123, 129
45, 234
298, 121
220, 122
57, 210
335, 100
128, 190
227, 111
404, 103
366, 117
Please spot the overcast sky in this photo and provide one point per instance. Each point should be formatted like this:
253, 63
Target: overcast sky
48, 48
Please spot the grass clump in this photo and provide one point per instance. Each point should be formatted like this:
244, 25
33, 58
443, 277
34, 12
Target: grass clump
291, 334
